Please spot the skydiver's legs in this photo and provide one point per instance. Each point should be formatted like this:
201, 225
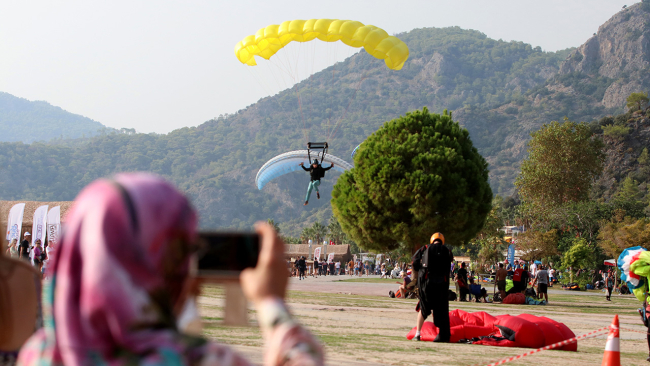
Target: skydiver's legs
312, 185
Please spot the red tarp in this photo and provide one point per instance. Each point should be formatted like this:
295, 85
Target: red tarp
530, 331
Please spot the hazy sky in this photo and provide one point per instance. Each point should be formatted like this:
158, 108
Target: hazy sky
160, 65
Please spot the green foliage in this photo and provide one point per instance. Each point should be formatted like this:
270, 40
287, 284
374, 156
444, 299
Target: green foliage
629, 198
636, 101
564, 158
616, 132
579, 256
617, 235
643, 158
316, 233
275, 226
538, 245
416, 175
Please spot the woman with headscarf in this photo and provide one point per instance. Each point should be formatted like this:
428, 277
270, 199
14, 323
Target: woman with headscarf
120, 281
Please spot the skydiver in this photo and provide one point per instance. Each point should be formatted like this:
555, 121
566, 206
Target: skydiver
432, 263
316, 171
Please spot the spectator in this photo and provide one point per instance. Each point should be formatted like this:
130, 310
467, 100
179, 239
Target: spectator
454, 275
19, 305
48, 253
551, 276
405, 282
302, 266
36, 252
383, 270
12, 248
23, 252
476, 290
542, 283
316, 268
351, 267
519, 280
126, 311
501, 281
461, 280
338, 268
609, 285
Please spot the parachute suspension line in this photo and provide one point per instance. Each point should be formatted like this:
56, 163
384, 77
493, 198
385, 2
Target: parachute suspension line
311, 83
255, 75
330, 126
354, 95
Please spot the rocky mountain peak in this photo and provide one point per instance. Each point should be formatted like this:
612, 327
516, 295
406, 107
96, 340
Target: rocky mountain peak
620, 52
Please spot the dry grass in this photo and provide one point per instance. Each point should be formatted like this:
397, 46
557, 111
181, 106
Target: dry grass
367, 330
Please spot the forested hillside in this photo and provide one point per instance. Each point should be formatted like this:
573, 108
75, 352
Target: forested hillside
500, 91
27, 121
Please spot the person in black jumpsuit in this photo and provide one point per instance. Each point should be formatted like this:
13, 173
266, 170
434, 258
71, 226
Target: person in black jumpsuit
433, 263
316, 171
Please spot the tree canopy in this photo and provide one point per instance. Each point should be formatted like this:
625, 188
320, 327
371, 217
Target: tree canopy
564, 159
416, 175
636, 101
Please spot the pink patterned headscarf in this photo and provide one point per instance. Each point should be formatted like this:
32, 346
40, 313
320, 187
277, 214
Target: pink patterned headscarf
117, 273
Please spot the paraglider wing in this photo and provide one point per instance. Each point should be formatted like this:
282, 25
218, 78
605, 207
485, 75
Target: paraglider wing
289, 162
627, 263
354, 152
376, 41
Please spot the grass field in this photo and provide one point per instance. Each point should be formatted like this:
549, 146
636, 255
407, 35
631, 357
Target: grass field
367, 330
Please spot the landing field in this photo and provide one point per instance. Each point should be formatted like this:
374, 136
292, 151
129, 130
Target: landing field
359, 324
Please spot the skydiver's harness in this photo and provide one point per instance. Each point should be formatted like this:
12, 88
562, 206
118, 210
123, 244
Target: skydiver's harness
317, 146
427, 263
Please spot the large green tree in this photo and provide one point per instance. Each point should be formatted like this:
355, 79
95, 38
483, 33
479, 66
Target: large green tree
416, 175
564, 159
636, 101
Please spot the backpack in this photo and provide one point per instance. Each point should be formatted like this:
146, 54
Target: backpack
517, 276
436, 260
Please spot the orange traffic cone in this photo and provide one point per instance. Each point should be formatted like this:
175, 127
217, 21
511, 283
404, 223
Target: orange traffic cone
612, 356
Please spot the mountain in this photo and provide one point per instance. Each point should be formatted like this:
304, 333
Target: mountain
500, 91
29, 121
593, 81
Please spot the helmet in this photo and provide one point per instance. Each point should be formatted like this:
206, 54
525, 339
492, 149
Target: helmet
437, 236
315, 161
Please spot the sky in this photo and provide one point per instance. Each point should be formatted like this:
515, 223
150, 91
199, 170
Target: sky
161, 65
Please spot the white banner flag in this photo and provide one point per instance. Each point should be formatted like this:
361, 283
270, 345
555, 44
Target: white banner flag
15, 221
54, 224
330, 258
317, 253
39, 228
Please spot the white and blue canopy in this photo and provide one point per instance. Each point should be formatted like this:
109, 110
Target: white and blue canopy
289, 162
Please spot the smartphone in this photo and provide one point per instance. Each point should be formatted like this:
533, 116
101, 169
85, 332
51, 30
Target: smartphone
226, 254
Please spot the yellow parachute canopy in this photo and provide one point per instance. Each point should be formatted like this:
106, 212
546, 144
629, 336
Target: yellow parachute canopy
267, 41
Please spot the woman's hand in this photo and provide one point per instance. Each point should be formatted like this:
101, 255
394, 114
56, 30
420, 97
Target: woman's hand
269, 278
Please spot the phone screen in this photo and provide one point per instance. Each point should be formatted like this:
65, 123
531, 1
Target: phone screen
227, 254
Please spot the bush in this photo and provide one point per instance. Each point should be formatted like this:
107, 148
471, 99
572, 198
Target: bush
616, 132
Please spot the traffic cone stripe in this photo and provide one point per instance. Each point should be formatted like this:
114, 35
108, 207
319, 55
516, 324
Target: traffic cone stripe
612, 355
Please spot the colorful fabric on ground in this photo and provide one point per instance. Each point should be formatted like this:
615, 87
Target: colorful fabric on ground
530, 331
635, 282
117, 273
